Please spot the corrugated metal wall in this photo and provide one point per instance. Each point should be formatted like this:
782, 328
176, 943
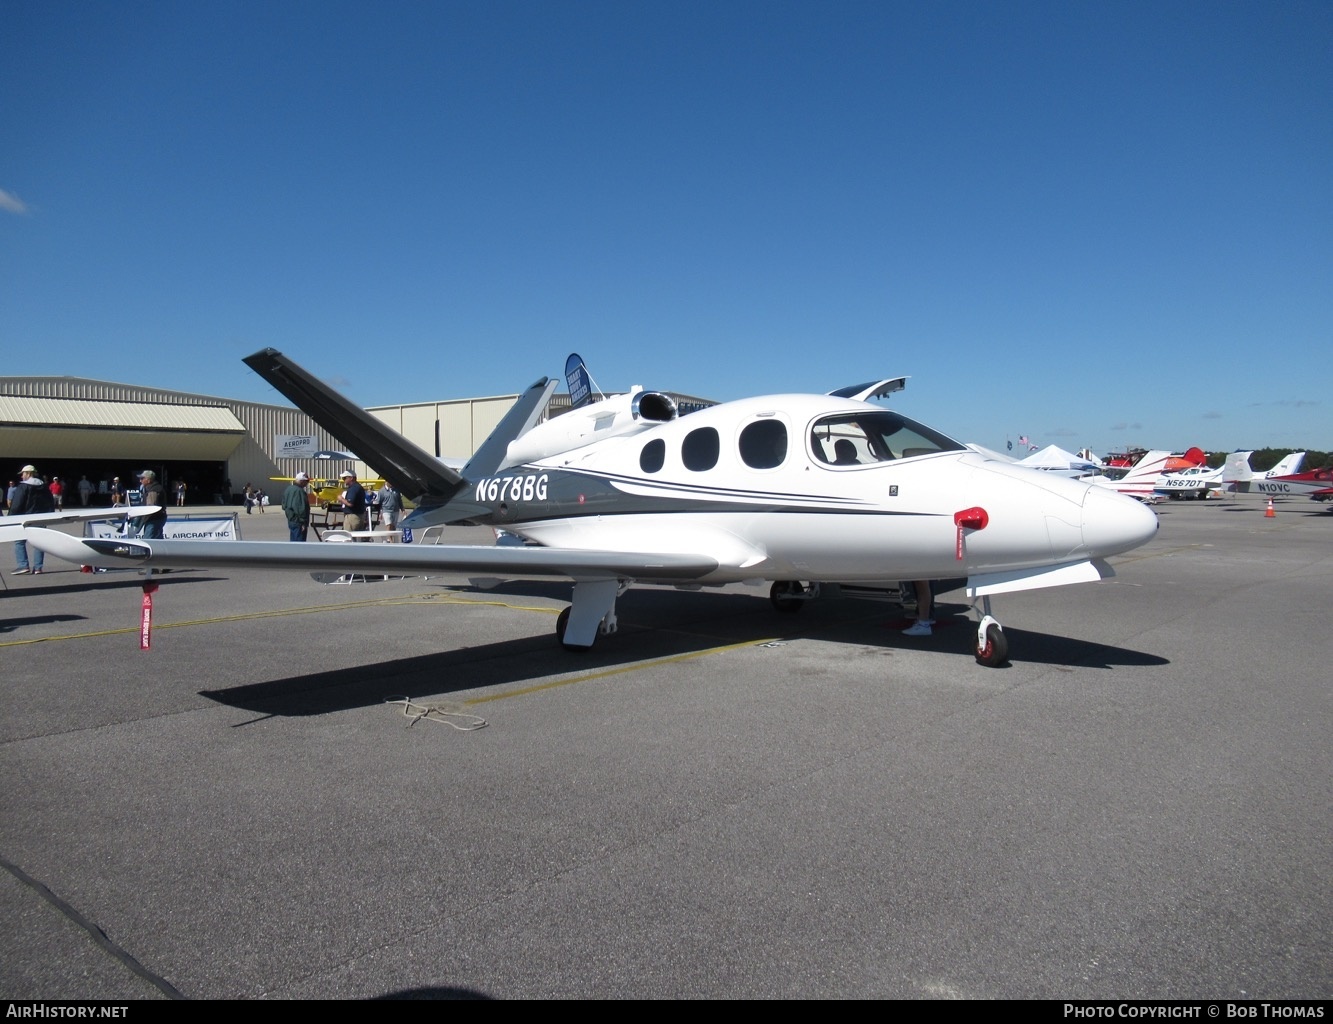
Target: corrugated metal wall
252, 461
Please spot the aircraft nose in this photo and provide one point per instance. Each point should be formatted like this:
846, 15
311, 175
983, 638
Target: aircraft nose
1113, 523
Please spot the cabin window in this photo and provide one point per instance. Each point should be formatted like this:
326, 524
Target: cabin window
764, 444
653, 456
859, 439
700, 450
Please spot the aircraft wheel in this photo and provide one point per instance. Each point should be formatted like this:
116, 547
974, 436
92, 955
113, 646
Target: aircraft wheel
781, 594
996, 648
561, 622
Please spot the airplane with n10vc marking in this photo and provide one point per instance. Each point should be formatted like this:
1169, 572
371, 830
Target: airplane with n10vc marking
808, 492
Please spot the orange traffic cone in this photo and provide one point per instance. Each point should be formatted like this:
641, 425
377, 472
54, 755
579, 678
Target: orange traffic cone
1270, 514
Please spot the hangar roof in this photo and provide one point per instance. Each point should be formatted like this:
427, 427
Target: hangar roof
51, 428
18, 411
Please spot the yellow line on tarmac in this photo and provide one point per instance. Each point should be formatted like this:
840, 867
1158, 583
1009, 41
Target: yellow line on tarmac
277, 613
619, 671
1163, 553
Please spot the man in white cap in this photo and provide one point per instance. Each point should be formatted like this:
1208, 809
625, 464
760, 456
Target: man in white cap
353, 502
296, 506
151, 492
30, 496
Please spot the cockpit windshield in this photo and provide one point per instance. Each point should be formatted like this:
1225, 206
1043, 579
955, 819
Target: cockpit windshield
860, 439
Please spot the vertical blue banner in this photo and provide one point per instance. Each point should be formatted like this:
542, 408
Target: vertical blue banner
576, 376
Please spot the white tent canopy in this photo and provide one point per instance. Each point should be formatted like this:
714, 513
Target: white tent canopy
1055, 457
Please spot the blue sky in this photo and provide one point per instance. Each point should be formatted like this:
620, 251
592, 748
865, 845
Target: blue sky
1099, 224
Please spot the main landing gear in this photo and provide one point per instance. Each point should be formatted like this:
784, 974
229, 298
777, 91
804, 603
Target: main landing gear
592, 613
789, 596
989, 644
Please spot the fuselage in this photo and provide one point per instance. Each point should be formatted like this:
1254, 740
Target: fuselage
809, 487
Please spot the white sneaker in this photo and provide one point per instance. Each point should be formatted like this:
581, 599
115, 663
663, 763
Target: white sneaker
917, 629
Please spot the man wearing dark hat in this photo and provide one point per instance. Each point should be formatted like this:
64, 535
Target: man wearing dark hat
30, 496
353, 502
296, 506
152, 493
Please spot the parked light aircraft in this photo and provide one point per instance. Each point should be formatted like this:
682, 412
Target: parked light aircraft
1313, 482
1239, 478
14, 528
807, 492
1139, 480
1196, 482
329, 492
29, 525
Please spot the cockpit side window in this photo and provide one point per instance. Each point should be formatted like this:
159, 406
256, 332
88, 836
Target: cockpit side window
763, 444
864, 438
700, 449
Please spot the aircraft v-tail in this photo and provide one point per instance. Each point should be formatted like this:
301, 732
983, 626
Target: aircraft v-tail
806, 492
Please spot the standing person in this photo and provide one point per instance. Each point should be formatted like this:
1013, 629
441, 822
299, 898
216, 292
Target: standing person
30, 495
924, 603
391, 505
152, 493
249, 498
11, 493
296, 506
85, 490
58, 493
180, 493
353, 502
117, 493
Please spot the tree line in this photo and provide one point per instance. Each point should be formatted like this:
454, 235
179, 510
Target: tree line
1265, 459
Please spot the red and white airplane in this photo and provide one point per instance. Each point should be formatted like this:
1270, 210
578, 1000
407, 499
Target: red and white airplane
801, 491
1138, 481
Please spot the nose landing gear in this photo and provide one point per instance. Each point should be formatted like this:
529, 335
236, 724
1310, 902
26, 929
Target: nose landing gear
989, 644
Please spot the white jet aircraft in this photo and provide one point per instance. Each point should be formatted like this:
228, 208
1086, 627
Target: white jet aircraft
802, 491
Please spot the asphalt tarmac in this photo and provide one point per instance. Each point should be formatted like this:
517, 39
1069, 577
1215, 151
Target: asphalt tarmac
719, 801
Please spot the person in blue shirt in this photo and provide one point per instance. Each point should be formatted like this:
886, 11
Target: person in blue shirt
353, 502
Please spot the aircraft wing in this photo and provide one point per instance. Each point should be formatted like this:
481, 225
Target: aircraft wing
374, 558
11, 527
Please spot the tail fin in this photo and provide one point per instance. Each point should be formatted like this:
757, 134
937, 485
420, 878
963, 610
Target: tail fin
1150, 466
412, 470
1236, 469
1290, 464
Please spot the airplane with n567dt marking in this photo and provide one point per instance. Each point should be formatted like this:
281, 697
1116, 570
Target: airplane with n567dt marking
806, 492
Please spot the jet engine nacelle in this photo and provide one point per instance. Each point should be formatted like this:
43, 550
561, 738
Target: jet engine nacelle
618, 416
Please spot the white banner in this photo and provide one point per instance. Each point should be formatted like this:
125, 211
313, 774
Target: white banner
174, 529
294, 446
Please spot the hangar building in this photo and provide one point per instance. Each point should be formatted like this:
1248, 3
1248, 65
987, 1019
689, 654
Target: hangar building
71, 427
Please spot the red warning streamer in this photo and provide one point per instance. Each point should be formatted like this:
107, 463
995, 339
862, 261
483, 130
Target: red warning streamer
974, 518
146, 620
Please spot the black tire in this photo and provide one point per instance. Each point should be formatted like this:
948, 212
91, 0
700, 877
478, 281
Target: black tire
780, 594
995, 651
561, 623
